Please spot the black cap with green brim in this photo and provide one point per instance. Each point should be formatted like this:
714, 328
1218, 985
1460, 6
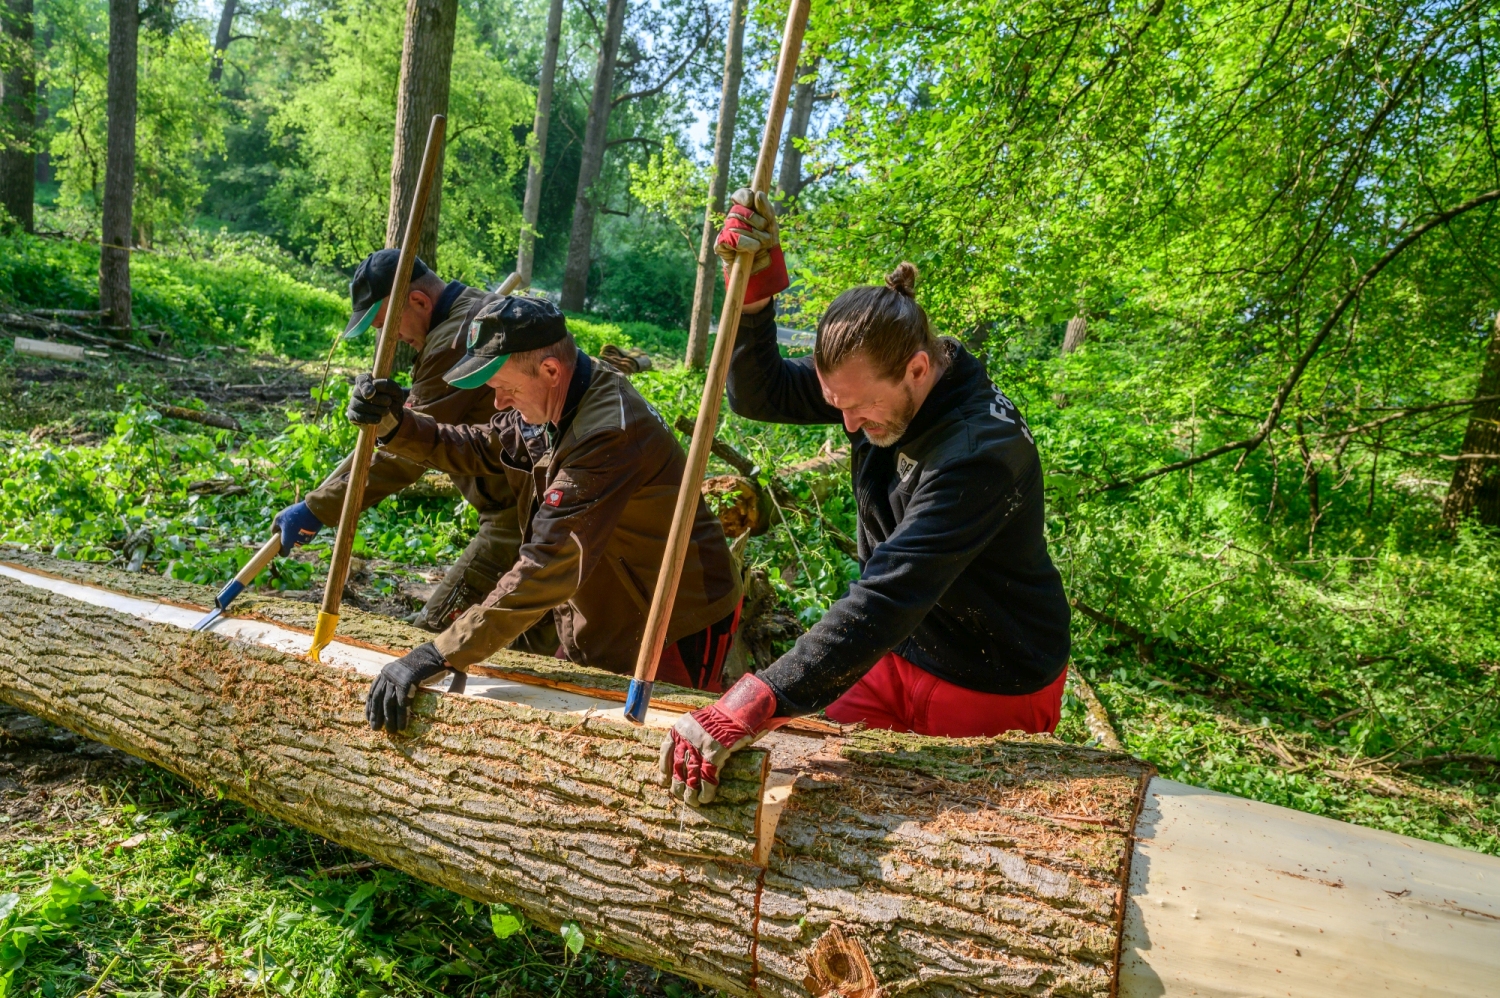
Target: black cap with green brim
506, 325
372, 284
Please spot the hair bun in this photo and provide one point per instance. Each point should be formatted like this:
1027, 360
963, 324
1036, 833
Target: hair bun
903, 280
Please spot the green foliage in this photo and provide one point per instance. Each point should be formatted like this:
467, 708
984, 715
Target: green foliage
213, 292
339, 122
572, 937
674, 188
504, 922
59, 904
667, 345
187, 894
179, 117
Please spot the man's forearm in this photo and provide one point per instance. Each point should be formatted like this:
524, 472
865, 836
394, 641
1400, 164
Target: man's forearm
765, 386
459, 450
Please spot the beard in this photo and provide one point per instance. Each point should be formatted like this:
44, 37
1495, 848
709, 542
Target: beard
887, 433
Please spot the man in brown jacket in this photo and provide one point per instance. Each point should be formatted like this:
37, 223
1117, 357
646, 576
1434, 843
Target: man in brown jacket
595, 471
432, 324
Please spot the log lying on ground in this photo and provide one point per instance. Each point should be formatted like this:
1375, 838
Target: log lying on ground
863, 864
948, 867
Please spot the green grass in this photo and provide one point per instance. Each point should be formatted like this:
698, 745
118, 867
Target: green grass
238, 299
140, 881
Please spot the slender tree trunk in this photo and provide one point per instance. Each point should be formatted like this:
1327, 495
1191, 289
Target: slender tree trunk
718, 187
803, 95
18, 116
1475, 489
581, 238
426, 65
426, 75
119, 163
221, 40
526, 255
925, 867
1078, 331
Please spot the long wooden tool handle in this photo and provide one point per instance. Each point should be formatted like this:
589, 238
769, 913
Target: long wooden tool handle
713, 389
258, 562
385, 355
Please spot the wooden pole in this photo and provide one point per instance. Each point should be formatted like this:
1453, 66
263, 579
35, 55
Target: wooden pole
713, 389
385, 355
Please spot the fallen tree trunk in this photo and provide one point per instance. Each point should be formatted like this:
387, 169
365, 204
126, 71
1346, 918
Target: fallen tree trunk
926, 866
863, 864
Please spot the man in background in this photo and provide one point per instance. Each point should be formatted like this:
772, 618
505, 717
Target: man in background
432, 324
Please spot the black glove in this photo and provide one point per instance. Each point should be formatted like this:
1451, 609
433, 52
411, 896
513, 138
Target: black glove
380, 403
391, 694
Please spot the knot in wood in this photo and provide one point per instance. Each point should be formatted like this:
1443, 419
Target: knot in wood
837, 965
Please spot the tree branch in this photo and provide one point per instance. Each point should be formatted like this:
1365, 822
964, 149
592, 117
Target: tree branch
632, 138
1288, 385
662, 84
1413, 411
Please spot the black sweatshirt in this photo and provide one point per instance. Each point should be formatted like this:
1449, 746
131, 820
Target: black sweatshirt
955, 575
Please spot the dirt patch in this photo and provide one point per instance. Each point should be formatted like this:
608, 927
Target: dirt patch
44, 769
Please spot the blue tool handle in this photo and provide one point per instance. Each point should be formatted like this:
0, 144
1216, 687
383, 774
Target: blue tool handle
228, 593
637, 699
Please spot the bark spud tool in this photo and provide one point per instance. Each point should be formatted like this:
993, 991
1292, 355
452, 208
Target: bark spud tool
638, 698
257, 564
385, 355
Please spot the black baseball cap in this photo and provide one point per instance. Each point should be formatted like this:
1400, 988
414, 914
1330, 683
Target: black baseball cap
512, 324
372, 285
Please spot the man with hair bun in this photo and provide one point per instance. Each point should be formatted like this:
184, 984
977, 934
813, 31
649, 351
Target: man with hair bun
958, 624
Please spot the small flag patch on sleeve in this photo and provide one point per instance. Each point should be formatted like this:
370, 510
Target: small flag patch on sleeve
554, 497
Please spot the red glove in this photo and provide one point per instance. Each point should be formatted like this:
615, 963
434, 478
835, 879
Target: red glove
750, 227
695, 749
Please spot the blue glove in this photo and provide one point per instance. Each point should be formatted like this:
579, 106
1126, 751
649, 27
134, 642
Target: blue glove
388, 704
297, 524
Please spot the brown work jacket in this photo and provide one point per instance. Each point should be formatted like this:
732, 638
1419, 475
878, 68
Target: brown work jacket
430, 394
596, 495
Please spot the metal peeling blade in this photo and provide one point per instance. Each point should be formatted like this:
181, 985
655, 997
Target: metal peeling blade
213, 615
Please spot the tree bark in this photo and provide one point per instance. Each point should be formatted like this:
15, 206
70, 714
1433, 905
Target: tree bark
531, 209
119, 164
596, 131
718, 188
1077, 332
426, 69
18, 116
1475, 489
921, 866
222, 40
803, 95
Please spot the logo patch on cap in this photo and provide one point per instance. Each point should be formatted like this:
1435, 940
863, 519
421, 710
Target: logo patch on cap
554, 497
473, 333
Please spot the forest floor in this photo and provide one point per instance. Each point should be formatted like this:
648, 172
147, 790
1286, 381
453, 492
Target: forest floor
1361, 684
134, 883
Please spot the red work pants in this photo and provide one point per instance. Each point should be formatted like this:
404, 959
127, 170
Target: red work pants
902, 697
